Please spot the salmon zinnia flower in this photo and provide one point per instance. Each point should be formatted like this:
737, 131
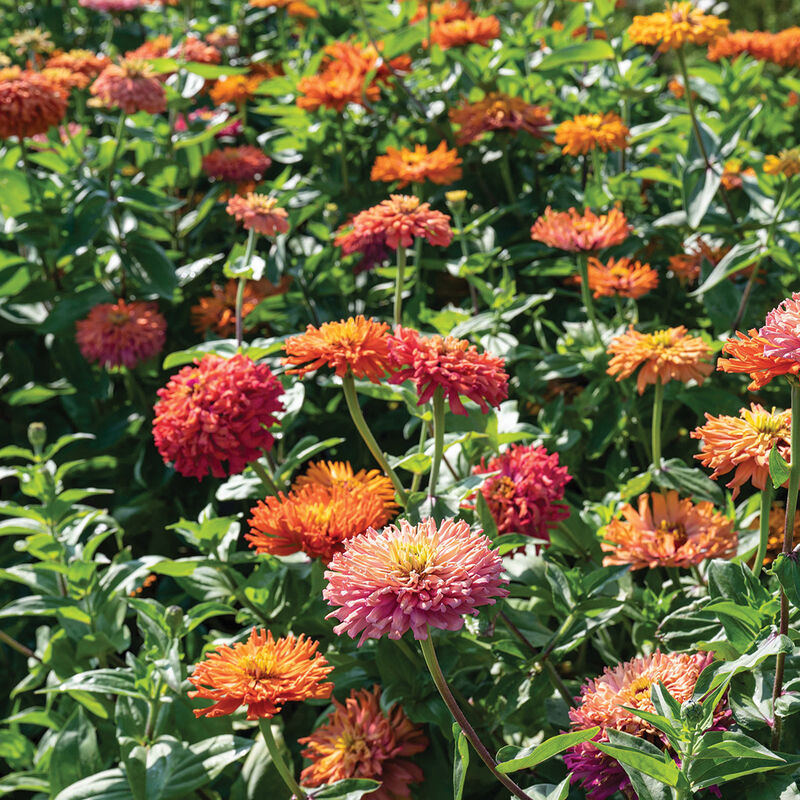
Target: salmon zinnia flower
121, 334
453, 365
621, 278
575, 232
217, 410
678, 24
781, 330
236, 164
747, 352
29, 103
361, 740
744, 443
664, 355
674, 533
786, 163
415, 166
495, 112
262, 674
591, 131
260, 213
130, 86
782, 48
357, 344
412, 577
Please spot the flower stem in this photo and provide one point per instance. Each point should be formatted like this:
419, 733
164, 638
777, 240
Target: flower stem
438, 439
508, 181
343, 146
473, 295
586, 294
655, 436
277, 759
398, 287
423, 437
350, 396
248, 257
117, 145
788, 540
766, 501
265, 477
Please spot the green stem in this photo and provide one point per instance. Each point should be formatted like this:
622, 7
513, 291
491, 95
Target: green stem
438, 439
473, 295
343, 146
398, 287
508, 182
766, 502
435, 670
265, 477
586, 294
248, 257
788, 541
117, 144
277, 759
423, 437
655, 436
351, 398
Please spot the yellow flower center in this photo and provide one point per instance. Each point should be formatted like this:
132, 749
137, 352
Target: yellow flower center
660, 340
765, 422
259, 665
411, 557
639, 691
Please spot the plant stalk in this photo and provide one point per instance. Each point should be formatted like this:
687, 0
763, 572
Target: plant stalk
265, 477
586, 294
398, 287
763, 526
438, 439
277, 759
655, 435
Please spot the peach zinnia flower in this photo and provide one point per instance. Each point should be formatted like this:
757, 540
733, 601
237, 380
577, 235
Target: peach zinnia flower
621, 278
744, 443
121, 334
130, 86
412, 577
781, 330
29, 103
85, 62
674, 533
358, 345
678, 24
496, 112
461, 32
786, 163
259, 212
217, 410
453, 365
262, 674
415, 166
361, 740
591, 131
747, 352
574, 232
236, 164
237, 89
664, 355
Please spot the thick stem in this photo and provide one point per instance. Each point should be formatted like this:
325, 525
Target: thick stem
586, 294
655, 434
351, 398
763, 526
398, 287
265, 477
438, 439
277, 759
444, 690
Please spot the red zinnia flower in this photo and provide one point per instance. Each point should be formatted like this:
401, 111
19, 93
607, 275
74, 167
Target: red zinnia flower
29, 104
236, 164
574, 232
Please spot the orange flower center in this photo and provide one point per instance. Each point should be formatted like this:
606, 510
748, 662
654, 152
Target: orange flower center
504, 487
674, 533
638, 692
406, 205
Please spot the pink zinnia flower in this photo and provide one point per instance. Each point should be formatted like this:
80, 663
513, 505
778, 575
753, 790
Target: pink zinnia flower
111, 5
525, 496
410, 578
259, 212
131, 86
782, 330
454, 365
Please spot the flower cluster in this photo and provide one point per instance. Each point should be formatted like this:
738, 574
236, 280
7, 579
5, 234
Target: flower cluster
30, 103
130, 86
260, 213
621, 277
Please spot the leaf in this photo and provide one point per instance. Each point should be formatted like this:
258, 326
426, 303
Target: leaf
75, 753
15, 193
739, 256
110, 784
593, 50
512, 758
725, 755
634, 752
154, 268
786, 568
349, 789
460, 761
701, 196
103, 681
674, 474
549, 791
778, 468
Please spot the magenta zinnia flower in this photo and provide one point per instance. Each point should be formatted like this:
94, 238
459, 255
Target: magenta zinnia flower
412, 577
782, 330
453, 364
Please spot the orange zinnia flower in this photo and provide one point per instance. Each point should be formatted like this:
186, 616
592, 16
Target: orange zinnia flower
664, 355
574, 232
777, 522
358, 345
335, 88
445, 11
744, 443
314, 519
677, 24
786, 163
497, 112
263, 674
29, 103
461, 32
294, 8
621, 278
589, 131
782, 48
131, 86
415, 166
675, 533
686, 266
83, 61
747, 353
237, 89
260, 213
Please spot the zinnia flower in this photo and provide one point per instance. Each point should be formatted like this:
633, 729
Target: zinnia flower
29, 104
782, 48
675, 533
622, 277
601, 703
415, 166
121, 334
664, 355
461, 32
574, 232
777, 522
219, 410
85, 62
410, 578
747, 352
687, 266
495, 112
236, 164
294, 8
678, 24
781, 330
112, 6
237, 89
744, 443
525, 497
591, 131
786, 163
262, 674
360, 740
356, 344
733, 174
260, 213
453, 365
131, 86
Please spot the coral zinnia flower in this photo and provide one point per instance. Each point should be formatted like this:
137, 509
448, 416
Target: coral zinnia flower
356, 344
461, 32
335, 87
621, 278
29, 103
454, 365
525, 497
85, 62
686, 266
675, 533
236, 164
781, 330
664, 355
262, 673
782, 48
495, 112
415, 166
340, 473
121, 334
748, 356
786, 163
601, 703
744, 443
590, 131
412, 577
237, 89
677, 24
360, 740
131, 86
574, 232
215, 411
65, 79
260, 213
314, 519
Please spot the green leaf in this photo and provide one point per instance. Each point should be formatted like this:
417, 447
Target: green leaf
103, 681
460, 761
485, 516
634, 752
512, 758
592, 50
110, 784
725, 755
674, 474
549, 791
778, 468
15, 193
788, 572
151, 265
739, 256
349, 789
75, 753
701, 195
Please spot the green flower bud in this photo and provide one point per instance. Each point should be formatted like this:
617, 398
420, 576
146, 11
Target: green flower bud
37, 436
174, 619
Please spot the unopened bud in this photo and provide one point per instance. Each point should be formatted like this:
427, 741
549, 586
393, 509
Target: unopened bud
37, 436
